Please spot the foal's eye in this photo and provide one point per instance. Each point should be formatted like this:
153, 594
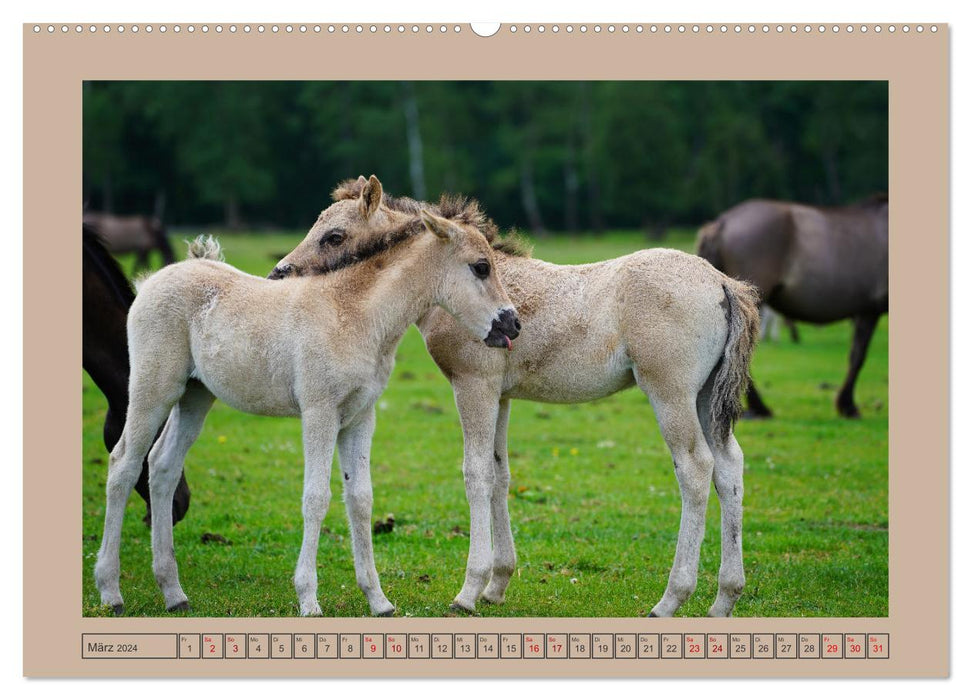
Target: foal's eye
332, 238
480, 269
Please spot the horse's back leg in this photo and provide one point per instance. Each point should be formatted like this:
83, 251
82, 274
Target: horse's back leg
677, 416
793, 330
756, 406
863, 327
114, 425
354, 445
728, 478
157, 381
180, 502
166, 461
503, 548
124, 466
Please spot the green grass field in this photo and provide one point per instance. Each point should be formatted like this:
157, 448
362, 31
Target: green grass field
594, 502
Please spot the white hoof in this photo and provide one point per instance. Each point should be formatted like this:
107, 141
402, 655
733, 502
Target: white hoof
310, 610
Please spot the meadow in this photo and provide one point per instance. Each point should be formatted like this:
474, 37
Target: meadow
594, 502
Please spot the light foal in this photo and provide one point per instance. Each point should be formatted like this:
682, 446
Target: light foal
321, 348
661, 319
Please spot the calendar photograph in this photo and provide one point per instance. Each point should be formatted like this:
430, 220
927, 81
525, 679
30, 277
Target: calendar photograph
485, 349
443, 350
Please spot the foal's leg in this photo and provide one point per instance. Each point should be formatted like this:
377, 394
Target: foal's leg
503, 549
166, 461
863, 327
729, 467
354, 443
145, 417
320, 427
677, 415
478, 406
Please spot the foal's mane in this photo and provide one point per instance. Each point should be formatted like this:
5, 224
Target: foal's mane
106, 266
458, 208
375, 246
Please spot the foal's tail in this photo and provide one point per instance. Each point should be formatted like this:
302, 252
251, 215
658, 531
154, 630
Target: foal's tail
731, 375
204, 248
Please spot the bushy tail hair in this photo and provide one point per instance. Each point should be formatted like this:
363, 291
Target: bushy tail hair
205, 248
732, 373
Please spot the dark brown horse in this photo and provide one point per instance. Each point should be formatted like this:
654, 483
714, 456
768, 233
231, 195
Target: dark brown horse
131, 234
811, 264
106, 298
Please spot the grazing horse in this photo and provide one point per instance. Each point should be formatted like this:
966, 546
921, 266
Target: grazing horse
106, 298
661, 319
318, 348
812, 264
132, 234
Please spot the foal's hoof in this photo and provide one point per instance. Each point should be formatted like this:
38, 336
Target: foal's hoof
653, 614
386, 613
180, 607
491, 596
118, 610
459, 608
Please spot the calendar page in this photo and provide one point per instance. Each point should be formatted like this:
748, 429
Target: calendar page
519, 350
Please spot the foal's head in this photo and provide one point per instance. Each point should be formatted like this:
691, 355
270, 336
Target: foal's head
364, 222
469, 286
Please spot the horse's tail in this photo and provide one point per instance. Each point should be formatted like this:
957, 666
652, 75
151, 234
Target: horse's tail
204, 248
709, 244
732, 373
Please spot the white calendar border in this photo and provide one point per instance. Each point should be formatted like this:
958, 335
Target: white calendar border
893, 10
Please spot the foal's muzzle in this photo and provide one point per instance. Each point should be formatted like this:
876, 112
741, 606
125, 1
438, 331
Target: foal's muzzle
281, 271
504, 330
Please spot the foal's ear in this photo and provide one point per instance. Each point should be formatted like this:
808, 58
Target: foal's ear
437, 225
371, 195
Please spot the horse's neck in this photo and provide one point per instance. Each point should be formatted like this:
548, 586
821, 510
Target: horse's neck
397, 295
530, 273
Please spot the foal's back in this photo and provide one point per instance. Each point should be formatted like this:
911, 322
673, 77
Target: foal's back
251, 342
585, 327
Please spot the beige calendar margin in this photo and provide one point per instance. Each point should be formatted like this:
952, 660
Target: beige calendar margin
916, 66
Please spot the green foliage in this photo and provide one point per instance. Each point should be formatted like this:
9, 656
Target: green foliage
561, 155
593, 500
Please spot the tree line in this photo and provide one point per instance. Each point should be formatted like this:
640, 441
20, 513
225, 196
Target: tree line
542, 156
